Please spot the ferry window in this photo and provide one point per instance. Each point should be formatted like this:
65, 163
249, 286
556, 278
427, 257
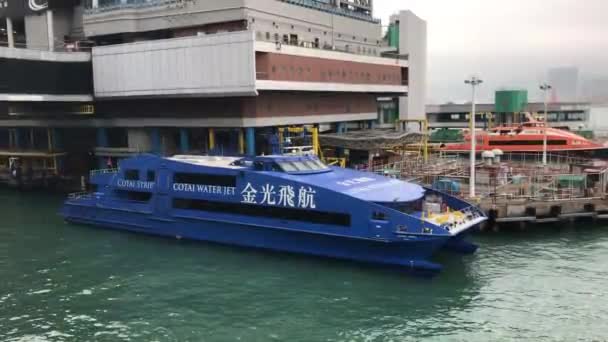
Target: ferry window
206, 179
281, 213
134, 196
379, 216
320, 164
300, 166
132, 174
151, 176
287, 167
276, 167
258, 166
528, 142
310, 165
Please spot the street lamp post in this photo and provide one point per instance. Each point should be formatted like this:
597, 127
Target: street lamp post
545, 88
473, 82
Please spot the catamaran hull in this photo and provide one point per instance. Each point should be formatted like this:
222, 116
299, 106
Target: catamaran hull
411, 253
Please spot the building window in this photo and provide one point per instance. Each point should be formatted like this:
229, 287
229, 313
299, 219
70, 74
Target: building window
285, 39
267, 35
293, 39
276, 37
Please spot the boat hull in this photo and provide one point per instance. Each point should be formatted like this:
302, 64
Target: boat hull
410, 254
525, 149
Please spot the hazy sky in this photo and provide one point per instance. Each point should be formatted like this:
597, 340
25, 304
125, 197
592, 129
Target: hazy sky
507, 43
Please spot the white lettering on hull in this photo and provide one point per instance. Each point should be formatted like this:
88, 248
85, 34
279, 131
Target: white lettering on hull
205, 189
133, 184
284, 197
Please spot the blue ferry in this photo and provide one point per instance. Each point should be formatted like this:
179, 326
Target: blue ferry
293, 204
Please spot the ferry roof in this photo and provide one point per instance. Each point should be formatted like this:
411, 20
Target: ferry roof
211, 161
364, 185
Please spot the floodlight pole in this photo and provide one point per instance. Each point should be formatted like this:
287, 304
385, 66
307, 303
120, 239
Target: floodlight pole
473, 82
545, 88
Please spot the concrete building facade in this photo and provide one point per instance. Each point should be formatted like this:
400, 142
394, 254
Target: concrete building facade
193, 76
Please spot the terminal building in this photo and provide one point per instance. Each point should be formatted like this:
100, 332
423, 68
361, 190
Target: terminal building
205, 77
511, 107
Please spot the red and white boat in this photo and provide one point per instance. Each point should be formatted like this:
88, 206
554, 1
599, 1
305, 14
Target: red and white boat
527, 137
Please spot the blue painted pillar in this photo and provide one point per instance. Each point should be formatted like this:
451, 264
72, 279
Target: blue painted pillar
102, 141
184, 141
341, 127
275, 143
57, 143
156, 141
102, 137
21, 138
250, 141
16, 141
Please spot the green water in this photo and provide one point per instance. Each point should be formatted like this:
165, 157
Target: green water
70, 283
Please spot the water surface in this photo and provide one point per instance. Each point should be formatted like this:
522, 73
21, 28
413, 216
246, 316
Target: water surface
64, 282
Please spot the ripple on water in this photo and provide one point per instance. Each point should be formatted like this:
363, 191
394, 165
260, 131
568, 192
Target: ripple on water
96, 285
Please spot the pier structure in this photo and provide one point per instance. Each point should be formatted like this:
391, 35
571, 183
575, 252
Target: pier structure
515, 188
117, 78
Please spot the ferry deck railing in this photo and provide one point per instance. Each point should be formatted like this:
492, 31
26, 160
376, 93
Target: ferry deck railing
79, 195
103, 171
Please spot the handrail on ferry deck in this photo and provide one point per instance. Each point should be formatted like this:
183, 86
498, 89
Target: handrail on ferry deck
79, 195
103, 171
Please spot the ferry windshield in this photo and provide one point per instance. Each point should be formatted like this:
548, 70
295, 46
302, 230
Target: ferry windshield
406, 207
303, 165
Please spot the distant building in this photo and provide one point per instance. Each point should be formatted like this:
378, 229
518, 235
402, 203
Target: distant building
574, 115
596, 91
564, 82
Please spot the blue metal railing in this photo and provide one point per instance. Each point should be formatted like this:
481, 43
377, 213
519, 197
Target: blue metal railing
113, 5
326, 7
